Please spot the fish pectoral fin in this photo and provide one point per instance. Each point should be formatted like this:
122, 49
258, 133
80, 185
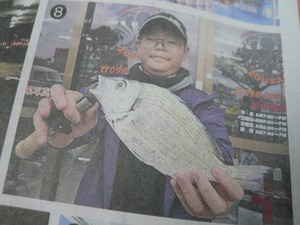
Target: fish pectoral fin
136, 104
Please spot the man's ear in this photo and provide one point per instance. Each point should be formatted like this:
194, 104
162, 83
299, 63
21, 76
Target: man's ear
186, 53
137, 45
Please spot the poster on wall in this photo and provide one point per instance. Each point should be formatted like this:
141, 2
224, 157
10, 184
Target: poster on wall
249, 78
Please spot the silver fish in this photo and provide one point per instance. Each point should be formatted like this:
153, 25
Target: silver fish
160, 130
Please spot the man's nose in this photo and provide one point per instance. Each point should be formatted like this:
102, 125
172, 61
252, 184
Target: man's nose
160, 44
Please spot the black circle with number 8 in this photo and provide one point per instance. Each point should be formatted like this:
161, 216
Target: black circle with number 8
58, 11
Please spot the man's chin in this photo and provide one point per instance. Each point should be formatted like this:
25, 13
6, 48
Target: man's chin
161, 73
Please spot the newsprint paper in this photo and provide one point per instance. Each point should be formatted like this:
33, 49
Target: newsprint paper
246, 52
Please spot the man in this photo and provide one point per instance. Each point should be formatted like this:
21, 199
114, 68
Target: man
117, 180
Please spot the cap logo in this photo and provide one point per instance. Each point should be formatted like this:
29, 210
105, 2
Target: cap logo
175, 22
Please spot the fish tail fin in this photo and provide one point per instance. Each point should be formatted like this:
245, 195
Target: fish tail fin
251, 172
250, 177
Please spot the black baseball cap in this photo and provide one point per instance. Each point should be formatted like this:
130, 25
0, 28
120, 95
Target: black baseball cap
166, 18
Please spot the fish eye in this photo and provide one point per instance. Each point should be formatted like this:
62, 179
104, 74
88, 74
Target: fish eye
120, 84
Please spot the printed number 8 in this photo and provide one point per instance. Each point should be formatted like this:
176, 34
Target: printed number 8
58, 11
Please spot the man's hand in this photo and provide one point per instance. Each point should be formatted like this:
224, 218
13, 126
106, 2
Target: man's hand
64, 100
206, 200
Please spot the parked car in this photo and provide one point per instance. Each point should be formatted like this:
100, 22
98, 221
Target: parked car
40, 81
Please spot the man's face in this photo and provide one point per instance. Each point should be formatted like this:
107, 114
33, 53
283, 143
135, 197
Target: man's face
161, 59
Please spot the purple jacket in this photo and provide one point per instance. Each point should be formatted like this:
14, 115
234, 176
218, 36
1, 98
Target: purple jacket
96, 186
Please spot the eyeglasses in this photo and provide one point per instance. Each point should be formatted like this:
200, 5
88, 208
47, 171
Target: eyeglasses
170, 44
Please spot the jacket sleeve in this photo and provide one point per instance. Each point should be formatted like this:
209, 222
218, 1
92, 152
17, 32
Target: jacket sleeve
212, 117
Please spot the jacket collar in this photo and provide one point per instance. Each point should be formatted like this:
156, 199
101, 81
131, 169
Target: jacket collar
174, 83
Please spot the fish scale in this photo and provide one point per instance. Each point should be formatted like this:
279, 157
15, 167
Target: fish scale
160, 130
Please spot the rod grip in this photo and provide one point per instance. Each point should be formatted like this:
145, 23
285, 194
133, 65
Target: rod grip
25, 148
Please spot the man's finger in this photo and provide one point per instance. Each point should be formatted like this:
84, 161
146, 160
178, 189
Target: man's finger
88, 121
190, 193
233, 189
71, 112
66, 101
211, 197
181, 197
58, 93
41, 129
44, 107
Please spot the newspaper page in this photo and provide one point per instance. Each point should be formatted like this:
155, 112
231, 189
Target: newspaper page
241, 51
